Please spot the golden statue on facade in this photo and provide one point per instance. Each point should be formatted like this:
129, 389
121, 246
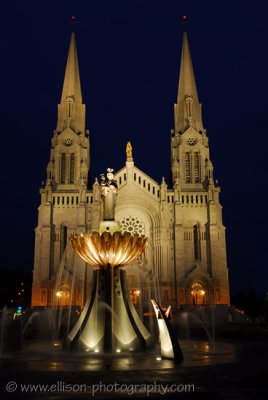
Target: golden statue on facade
129, 151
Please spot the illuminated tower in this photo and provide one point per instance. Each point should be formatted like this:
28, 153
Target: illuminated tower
201, 272
63, 197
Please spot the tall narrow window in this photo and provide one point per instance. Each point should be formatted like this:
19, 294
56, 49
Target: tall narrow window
187, 168
189, 107
69, 106
196, 167
63, 168
196, 237
65, 236
72, 168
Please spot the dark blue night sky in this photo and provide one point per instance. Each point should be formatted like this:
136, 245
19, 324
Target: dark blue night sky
129, 57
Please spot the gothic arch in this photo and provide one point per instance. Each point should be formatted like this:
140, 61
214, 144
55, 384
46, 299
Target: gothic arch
191, 222
198, 290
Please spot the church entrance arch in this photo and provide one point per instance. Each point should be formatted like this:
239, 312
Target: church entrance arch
199, 293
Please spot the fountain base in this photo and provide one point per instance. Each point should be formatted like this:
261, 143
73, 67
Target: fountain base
109, 321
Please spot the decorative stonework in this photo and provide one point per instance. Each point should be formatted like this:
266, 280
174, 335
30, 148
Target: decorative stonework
68, 142
132, 225
191, 141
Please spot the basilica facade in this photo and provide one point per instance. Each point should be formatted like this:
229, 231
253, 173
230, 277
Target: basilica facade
185, 260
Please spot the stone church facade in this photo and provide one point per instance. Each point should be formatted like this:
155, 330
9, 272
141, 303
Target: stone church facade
185, 260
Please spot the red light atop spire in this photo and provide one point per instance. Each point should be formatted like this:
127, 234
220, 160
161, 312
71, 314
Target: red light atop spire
73, 19
184, 19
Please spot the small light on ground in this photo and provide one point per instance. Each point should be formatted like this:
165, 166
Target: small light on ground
158, 358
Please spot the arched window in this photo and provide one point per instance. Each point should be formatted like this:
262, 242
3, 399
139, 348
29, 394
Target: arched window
72, 168
196, 237
196, 167
187, 168
63, 168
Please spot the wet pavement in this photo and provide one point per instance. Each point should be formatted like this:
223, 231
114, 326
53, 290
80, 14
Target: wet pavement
228, 371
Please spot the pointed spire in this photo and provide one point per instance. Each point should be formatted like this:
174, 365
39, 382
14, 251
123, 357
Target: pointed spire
71, 85
187, 85
187, 109
71, 111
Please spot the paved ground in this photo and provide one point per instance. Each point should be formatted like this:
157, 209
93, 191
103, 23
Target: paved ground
231, 371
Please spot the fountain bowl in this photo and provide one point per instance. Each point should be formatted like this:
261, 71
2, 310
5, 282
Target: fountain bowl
101, 250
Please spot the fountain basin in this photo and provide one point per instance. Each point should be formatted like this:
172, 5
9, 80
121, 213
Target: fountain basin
106, 249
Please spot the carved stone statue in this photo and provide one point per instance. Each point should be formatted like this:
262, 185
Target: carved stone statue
129, 151
109, 192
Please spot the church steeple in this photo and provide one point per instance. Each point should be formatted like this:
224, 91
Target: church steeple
71, 111
69, 160
191, 165
71, 85
187, 110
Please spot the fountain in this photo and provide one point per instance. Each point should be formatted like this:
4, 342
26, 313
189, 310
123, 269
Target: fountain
109, 321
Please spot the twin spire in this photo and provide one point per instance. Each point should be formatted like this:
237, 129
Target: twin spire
188, 109
187, 85
71, 85
71, 111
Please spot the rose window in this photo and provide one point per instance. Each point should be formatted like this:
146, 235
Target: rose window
132, 225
